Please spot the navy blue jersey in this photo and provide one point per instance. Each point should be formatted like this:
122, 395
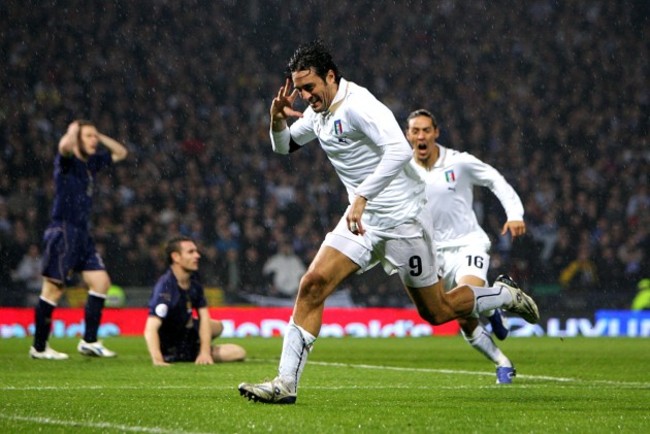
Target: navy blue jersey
174, 306
68, 246
74, 181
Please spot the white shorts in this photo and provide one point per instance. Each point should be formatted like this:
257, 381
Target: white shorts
407, 249
470, 260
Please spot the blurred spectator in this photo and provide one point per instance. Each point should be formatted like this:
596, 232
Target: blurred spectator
638, 205
5, 221
27, 276
611, 272
631, 253
581, 273
115, 297
214, 267
233, 273
253, 280
285, 270
562, 254
642, 299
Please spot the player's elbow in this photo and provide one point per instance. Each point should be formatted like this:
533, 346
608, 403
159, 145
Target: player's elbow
66, 147
120, 155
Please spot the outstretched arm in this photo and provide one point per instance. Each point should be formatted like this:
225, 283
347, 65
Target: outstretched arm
118, 150
489, 177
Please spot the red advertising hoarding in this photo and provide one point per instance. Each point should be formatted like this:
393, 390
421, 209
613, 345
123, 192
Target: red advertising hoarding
238, 322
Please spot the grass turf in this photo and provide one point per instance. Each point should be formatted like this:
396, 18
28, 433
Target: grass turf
350, 385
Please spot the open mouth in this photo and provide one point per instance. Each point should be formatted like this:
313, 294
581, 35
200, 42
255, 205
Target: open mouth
422, 146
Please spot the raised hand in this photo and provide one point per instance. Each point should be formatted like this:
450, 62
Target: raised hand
282, 105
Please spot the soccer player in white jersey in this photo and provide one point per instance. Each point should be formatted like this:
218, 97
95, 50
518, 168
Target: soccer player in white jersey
383, 223
462, 246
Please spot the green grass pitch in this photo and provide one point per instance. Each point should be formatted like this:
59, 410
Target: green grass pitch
412, 385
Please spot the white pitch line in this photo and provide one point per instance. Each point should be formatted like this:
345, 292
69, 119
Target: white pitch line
119, 387
463, 372
564, 380
437, 371
100, 425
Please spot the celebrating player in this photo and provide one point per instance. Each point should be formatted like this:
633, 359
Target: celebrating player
172, 334
69, 246
461, 244
383, 223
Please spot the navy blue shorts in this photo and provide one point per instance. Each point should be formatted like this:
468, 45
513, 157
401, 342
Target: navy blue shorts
68, 249
183, 348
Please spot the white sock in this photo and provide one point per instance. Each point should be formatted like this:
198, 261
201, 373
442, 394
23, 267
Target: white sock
296, 345
483, 343
490, 298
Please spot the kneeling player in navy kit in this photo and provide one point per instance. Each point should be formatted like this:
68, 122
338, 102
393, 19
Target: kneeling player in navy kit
172, 333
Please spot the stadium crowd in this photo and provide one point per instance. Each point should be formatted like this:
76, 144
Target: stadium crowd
553, 94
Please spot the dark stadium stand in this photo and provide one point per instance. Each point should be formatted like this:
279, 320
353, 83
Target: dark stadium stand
553, 94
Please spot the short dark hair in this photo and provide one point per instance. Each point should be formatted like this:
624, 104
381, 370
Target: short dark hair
83, 123
422, 112
314, 55
174, 245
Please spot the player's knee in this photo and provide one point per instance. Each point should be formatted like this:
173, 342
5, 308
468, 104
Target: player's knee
99, 284
229, 353
238, 354
312, 288
52, 290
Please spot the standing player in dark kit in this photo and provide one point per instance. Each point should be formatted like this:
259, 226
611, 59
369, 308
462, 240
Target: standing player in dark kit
171, 332
69, 247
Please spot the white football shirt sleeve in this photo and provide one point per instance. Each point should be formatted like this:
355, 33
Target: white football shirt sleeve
487, 176
379, 124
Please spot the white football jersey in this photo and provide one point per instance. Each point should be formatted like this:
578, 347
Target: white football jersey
369, 152
449, 194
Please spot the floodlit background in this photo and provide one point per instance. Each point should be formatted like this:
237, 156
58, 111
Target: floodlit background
553, 94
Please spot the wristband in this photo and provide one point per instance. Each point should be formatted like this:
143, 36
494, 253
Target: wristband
280, 140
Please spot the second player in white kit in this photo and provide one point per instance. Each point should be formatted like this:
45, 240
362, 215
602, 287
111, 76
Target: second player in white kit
462, 246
